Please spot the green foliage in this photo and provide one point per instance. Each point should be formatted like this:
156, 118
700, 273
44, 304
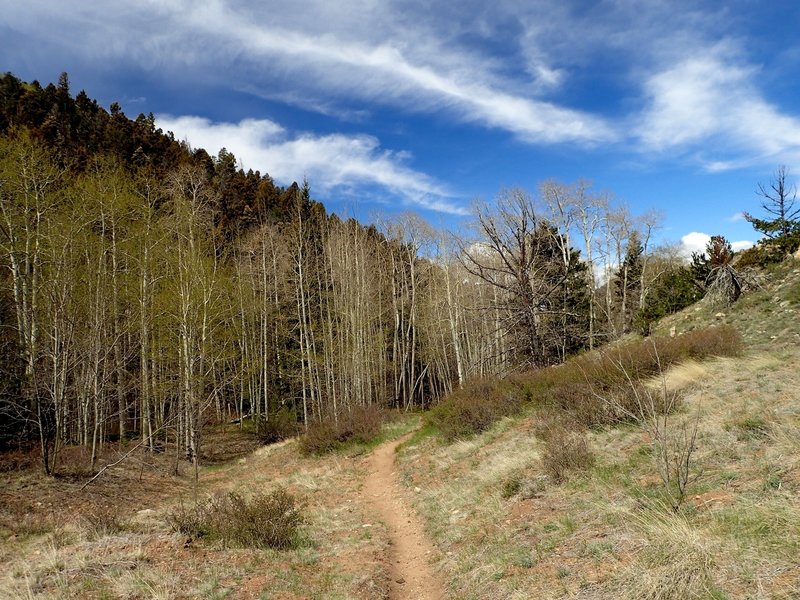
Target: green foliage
781, 225
360, 425
672, 291
265, 521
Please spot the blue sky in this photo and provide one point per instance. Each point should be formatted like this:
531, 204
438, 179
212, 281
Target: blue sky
679, 106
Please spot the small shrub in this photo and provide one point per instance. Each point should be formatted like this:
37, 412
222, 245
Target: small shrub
359, 425
191, 521
362, 424
566, 452
278, 426
511, 486
476, 407
266, 521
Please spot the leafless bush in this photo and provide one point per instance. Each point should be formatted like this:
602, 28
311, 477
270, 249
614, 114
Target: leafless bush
360, 425
566, 452
266, 521
674, 438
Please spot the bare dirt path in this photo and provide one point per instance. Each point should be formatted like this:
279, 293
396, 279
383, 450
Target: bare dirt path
412, 576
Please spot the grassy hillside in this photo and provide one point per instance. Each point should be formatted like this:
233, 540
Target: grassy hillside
508, 529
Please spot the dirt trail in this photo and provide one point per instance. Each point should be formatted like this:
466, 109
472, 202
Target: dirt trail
412, 576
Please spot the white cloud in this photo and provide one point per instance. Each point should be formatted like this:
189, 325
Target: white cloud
696, 241
711, 99
517, 66
413, 73
742, 245
332, 163
400, 56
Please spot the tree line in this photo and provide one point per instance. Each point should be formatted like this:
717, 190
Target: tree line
149, 290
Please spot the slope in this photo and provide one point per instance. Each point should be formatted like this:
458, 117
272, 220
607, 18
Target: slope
507, 529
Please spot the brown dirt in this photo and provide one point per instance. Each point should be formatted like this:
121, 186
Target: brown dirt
412, 576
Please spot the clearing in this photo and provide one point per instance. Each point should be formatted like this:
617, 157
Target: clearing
113, 540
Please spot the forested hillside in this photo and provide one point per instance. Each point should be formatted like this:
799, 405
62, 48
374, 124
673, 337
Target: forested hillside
149, 289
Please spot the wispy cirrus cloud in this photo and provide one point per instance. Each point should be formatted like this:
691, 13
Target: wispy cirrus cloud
363, 53
348, 164
662, 79
403, 71
709, 105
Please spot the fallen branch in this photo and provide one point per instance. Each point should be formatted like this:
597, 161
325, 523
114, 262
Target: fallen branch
115, 463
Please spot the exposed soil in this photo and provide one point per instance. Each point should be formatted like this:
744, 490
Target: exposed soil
412, 576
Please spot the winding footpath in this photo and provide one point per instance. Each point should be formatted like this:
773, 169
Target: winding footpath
412, 577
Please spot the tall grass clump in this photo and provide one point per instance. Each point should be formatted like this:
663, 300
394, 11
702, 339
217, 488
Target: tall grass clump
265, 521
360, 425
675, 562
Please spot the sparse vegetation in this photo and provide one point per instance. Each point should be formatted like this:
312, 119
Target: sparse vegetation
104, 520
